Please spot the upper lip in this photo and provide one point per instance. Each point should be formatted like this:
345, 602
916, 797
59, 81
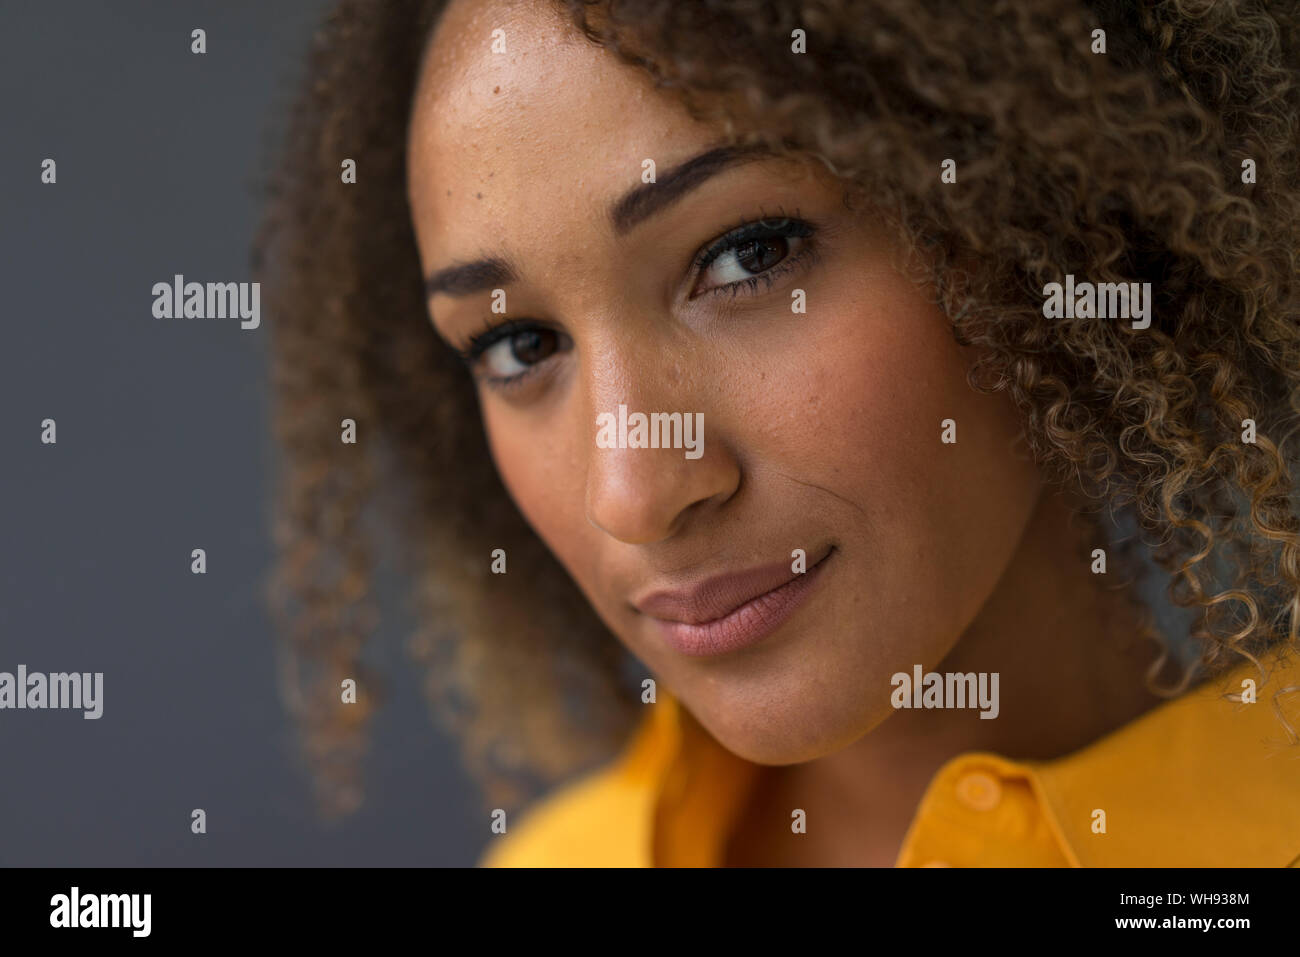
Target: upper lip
712, 598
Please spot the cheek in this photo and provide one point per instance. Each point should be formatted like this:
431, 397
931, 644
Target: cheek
894, 388
543, 470
856, 399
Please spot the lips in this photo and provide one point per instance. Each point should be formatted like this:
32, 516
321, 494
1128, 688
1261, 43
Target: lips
715, 597
729, 611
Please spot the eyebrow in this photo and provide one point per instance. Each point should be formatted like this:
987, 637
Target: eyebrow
468, 278
629, 211
642, 202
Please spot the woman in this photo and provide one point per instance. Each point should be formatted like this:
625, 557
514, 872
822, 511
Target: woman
823, 405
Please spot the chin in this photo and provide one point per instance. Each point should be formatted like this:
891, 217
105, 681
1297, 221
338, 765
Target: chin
796, 724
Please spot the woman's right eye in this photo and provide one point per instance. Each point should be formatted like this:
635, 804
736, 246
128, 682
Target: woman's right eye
516, 353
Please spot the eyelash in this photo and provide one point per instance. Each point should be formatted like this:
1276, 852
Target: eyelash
490, 335
765, 227
779, 226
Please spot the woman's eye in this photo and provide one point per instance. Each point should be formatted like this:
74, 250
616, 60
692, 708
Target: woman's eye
750, 252
515, 353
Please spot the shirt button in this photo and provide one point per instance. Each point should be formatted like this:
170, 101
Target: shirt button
979, 791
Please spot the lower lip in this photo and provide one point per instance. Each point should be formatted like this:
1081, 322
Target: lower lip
748, 624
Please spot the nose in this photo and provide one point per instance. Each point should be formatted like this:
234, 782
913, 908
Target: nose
641, 494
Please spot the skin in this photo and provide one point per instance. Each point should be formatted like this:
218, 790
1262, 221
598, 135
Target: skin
821, 429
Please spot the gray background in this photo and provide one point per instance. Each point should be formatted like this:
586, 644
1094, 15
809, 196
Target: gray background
163, 446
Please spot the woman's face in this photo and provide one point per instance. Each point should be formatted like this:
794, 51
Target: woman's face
821, 429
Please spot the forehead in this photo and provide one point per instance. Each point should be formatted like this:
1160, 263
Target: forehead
517, 116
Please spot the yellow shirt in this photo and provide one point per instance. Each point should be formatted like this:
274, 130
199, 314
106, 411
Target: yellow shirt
1200, 781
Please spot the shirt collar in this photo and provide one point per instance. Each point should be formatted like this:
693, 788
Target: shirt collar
1202, 780
700, 791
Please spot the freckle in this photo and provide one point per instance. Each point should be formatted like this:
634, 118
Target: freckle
478, 195
496, 89
448, 192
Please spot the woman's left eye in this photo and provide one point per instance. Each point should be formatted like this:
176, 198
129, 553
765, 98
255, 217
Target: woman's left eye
750, 252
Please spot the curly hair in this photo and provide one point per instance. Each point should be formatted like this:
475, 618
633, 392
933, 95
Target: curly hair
1123, 164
